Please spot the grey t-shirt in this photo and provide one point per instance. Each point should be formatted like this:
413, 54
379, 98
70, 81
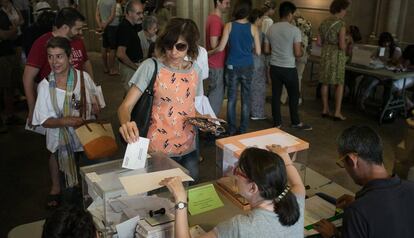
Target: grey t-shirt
142, 77
261, 223
105, 9
281, 37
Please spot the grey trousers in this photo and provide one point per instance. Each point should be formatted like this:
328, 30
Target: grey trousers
216, 89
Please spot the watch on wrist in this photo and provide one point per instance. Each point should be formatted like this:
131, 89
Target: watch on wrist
180, 205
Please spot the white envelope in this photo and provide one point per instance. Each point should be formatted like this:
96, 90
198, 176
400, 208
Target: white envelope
142, 183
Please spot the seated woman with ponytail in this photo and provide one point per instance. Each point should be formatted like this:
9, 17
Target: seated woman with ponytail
272, 186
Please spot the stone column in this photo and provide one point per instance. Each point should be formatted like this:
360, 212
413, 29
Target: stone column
393, 17
376, 20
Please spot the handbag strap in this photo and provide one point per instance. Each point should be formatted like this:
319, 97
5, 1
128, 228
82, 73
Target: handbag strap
150, 88
83, 96
330, 28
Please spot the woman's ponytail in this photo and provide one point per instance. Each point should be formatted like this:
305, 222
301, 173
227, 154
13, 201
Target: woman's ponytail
287, 208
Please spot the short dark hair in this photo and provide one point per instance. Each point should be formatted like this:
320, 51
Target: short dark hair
363, 141
255, 14
68, 16
286, 8
268, 171
355, 33
60, 42
338, 5
129, 5
268, 5
241, 10
69, 221
46, 20
215, 2
386, 37
175, 28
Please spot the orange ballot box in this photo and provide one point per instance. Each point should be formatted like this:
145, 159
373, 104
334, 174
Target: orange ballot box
229, 149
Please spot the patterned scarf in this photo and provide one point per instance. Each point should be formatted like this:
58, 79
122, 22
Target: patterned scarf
65, 155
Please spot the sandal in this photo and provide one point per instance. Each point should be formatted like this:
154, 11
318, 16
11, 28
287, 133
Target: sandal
53, 201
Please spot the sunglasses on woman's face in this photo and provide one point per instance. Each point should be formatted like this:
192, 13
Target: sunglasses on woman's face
180, 47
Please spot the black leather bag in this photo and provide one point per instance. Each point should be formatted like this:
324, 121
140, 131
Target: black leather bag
141, 113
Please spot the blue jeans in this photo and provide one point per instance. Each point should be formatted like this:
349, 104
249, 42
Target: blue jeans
234, 76
190, 162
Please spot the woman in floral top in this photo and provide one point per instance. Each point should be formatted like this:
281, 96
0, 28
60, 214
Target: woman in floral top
332, 33
176, 85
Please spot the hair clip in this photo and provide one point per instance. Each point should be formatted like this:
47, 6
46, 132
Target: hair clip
283, 194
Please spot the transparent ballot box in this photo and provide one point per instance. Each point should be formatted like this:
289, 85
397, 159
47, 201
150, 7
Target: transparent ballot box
106, 199
229, 149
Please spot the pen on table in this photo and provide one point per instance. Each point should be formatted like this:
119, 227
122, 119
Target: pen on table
323, 185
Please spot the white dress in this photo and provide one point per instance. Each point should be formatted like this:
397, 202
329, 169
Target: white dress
44, 108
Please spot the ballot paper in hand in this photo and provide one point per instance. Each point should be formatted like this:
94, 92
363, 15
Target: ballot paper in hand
37, 129
134, 184
136, 154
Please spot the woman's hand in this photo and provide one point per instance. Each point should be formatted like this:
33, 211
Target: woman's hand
129, 132
73, 121
176, 187
277, 149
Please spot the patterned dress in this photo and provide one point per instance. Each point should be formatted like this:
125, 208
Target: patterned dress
333, 59
258, 86
174, 94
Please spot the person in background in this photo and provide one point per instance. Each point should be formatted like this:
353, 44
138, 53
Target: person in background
214, 31
58, 109
129, 51
353, 36
17, 20
23, 6
9, 63
269, 10
107, 22
284, 40
40, 7
332, 34
178, 83
69, 222
162, 12
305, 28
272, 186
148, 34
68, 23
43, 24
242, 37
258, 88
391, 56
384, 205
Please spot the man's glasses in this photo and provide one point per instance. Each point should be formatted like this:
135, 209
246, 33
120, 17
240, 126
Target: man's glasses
341, 161
179, 46
238, 172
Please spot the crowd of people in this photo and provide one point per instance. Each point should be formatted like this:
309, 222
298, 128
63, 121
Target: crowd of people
141, 41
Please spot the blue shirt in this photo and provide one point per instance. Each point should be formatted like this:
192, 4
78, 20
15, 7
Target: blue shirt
240, 45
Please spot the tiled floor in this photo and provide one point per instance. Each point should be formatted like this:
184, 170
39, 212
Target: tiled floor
24, 170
